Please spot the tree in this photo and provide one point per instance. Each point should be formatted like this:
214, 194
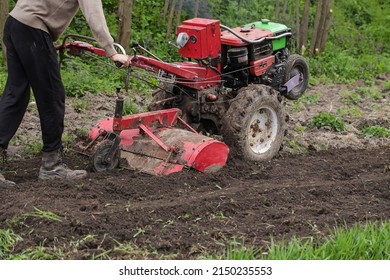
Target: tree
304, 28
166, 6
125, 12
170, 20
277, 10
196, 8
321, 26
297, 24
178, 14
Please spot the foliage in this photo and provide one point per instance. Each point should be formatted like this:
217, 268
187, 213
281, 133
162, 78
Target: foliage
81, 75
357, 46
376, 131
328, 120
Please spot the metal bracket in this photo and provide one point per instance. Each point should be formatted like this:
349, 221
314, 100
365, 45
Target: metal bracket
292, 83
166, 77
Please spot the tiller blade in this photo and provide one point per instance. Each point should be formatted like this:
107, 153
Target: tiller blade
151, 142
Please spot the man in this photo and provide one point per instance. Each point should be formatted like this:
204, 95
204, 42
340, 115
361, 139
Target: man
29, 33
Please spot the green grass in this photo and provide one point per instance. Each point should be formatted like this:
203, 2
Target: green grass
370, 241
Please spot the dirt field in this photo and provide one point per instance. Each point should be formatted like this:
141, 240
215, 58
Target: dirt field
321, 179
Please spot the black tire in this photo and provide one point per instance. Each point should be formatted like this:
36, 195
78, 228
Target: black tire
158, 95
296, 64
255, 123
97, 162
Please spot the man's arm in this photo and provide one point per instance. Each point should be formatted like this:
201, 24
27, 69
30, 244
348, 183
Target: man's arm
93, 13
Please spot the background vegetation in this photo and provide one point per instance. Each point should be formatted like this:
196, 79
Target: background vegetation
358, 45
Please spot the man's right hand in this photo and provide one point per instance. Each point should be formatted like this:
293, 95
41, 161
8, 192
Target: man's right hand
122, 59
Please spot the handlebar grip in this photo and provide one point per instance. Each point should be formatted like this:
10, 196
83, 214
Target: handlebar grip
118, 64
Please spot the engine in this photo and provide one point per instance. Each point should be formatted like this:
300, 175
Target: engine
253, 53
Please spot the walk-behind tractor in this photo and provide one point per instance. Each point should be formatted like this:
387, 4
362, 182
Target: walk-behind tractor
230, 82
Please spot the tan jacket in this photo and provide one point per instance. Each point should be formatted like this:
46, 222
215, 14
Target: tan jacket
54, 16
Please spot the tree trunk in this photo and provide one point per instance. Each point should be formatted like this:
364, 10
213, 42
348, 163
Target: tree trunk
297, 24
285, 5
277, 10
316, 27
125, 12
178, 15
196, 8
304, 27
3, 16
170, 20
328, 15
165, 11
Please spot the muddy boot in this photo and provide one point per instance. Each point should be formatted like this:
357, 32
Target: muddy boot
53, 168
3, 158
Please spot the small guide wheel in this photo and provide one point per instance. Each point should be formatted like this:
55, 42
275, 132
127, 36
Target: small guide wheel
100, 161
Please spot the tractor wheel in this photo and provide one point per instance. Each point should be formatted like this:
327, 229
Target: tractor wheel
297, 65
158, 97
98, 159
255, 123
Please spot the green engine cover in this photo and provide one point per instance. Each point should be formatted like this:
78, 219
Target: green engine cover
276, 29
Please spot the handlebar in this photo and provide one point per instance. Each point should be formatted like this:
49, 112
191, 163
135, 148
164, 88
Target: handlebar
76, 36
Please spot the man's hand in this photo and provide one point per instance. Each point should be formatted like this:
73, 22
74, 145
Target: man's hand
122, 59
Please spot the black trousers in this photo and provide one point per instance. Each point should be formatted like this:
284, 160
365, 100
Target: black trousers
32, 63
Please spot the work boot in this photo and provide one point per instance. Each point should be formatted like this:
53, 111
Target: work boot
3, 162
53, 167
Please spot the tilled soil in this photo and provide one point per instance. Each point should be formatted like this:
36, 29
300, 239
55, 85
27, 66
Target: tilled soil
186, 214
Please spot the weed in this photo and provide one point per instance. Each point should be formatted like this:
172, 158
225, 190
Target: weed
328, 120
348, 97
129, 108
67, 138
81, 105
369, 92
375, 131
219, 215
8, 240
353, 112
74, 245
140, 231
296, 147
43, 214
300, 128
387, 85
308, 99
39, 252
34, 147
168, 223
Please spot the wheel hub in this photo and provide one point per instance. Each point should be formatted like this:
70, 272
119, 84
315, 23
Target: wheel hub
262, 130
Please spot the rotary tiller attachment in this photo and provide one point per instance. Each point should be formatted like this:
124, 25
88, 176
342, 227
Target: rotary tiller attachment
151, 142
